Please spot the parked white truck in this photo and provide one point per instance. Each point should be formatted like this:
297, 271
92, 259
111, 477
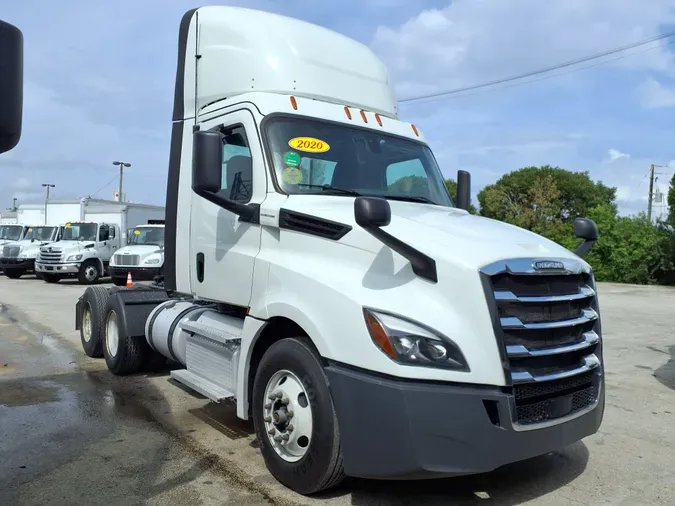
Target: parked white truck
142, 257
369, 327
85, 247
18, 258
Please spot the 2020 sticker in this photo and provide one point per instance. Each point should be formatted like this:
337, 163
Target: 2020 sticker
309, 144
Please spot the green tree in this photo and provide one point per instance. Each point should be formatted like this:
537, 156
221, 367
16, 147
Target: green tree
671, 202
511, 195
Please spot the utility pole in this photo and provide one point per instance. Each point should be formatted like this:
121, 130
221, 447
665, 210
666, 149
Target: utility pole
651, 190
121, 166
48, 186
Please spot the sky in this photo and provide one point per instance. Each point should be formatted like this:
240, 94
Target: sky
99, 82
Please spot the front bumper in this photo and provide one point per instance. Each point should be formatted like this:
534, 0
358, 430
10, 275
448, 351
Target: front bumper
69, 268
27, 264
137, 273
398, 429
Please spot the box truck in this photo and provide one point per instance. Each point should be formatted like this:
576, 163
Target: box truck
86, 245
318, 273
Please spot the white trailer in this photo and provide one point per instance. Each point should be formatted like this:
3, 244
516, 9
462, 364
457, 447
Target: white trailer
87, 244
369, 327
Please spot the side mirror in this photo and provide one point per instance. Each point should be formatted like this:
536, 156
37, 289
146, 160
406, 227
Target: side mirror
463, 190
207, 175
11, 85
586, 229
207, 161
372, 212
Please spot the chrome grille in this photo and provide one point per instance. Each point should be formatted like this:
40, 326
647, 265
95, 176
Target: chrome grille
11, 251
127, 259
50, 257
548, 328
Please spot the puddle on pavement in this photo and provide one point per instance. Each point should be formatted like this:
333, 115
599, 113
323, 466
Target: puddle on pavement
27, 394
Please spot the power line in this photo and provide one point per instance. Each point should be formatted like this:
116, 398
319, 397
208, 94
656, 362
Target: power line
543, 70
544, 78
105, 186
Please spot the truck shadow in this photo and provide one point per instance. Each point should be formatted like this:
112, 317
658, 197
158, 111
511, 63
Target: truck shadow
666, 373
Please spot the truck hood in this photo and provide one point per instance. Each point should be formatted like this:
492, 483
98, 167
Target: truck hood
140, 249
440, 232
72, 245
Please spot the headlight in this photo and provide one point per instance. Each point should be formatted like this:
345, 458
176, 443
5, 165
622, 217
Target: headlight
410, 343
152, 261
74, 258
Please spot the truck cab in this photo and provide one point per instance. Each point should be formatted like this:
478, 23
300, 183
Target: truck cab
318, 273
142, 257
83, 251
11, 233
18, 258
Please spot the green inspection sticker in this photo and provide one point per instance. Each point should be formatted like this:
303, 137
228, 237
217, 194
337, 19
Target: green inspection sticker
292, 159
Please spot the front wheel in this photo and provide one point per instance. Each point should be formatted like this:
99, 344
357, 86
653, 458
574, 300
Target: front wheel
295, 419
89, 273
14, 273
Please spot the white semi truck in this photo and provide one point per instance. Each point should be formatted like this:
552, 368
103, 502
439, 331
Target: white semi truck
369, 327
18, 258
142, 257
86, 246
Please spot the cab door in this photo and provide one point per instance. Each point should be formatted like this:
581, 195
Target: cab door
223, 248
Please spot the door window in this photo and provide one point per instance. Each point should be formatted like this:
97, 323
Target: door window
237, 177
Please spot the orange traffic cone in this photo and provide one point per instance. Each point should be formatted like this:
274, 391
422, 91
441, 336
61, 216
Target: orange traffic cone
130, 283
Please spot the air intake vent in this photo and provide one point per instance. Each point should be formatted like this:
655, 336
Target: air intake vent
298, 222
548, 328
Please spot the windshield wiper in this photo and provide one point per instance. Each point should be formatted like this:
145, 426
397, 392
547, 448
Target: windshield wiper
410, 198
335, 189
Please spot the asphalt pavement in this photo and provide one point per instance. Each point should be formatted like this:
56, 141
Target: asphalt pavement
71, 433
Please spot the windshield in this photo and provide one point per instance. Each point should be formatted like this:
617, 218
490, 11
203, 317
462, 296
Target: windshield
309, 154
79, 232
147, 235
39, 233
11, 232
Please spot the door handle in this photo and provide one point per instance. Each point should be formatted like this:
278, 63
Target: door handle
200, 267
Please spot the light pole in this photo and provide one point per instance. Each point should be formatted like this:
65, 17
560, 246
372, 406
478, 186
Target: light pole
48, 186
121, 165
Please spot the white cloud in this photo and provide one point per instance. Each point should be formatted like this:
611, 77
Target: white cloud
615, 154
656, 95
472, 41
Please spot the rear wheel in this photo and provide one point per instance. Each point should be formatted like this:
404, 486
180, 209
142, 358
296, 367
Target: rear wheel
123, 354
295, 419
14, 273
94, 303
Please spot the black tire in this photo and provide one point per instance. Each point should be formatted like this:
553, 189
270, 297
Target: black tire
131, 352
119, 281
321, 467
89, 273
14, 273
51, 278
94, 302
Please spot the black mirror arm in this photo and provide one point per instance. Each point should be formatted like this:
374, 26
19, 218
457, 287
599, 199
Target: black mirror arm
422, 265
584, 248
246, 212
